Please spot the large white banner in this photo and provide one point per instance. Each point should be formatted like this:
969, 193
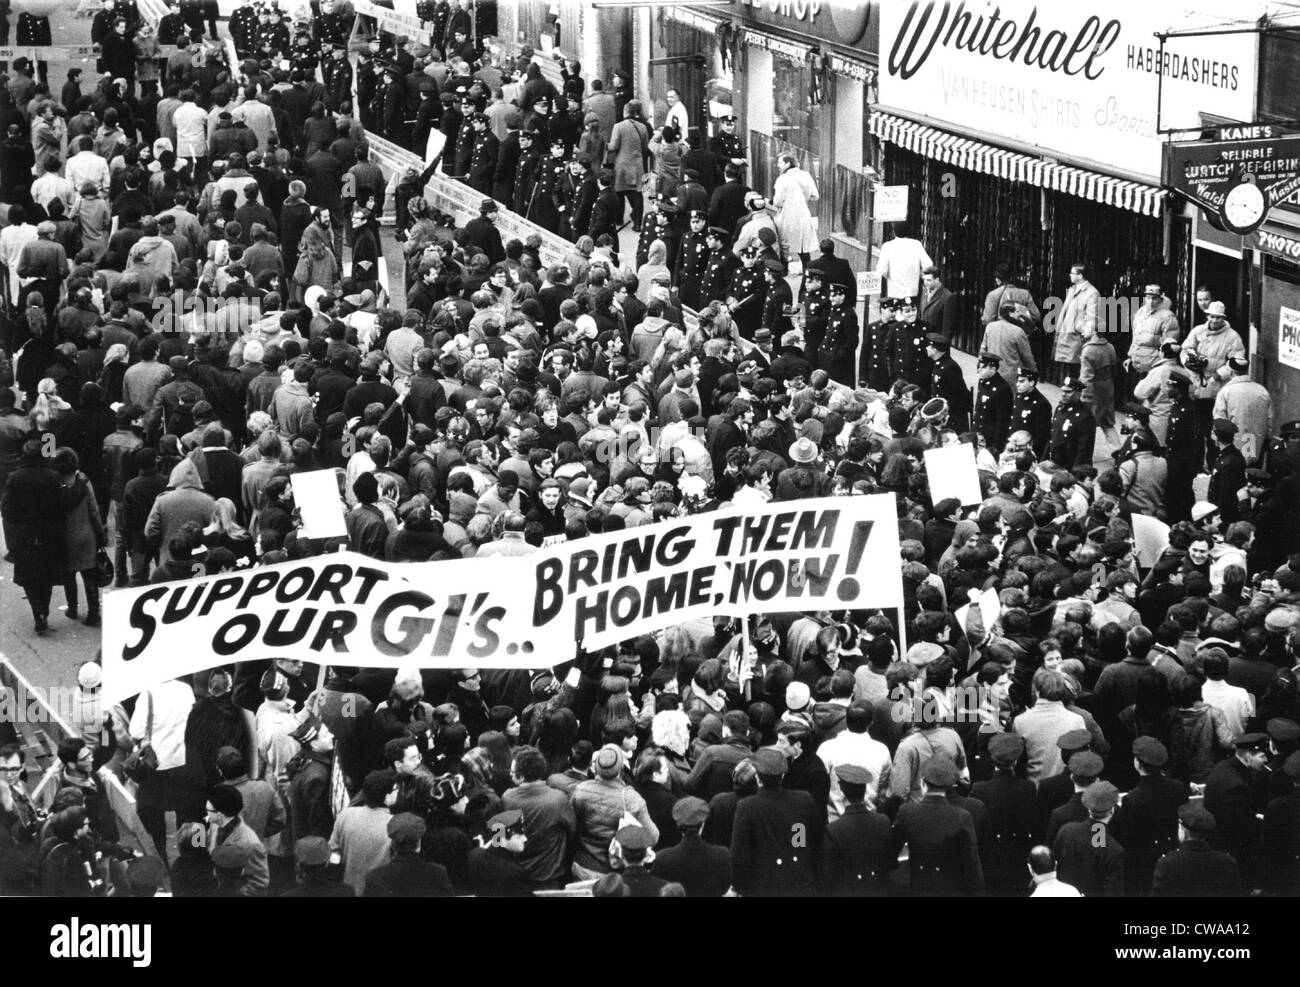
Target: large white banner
520, 612
1079, 80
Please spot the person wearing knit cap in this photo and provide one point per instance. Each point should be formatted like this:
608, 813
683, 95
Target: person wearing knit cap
943, 855
702, 868
1147, 823
1195, 869
1088, 853
406, 875
765, 861
599, 806
224, 806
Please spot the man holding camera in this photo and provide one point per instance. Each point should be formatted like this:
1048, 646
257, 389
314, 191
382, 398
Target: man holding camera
1209, 347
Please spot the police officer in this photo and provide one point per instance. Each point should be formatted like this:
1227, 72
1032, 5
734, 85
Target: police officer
338, 80
579, 193
464, 149
1182, 448
725, 144
779, 299
271, 37
943, 853
993, 400
648, 234
877, 369
721, 265
1194, 870
547, 200
746, 293
816, 309
666, 228
396, 127
692, 262
243, 25
1088, 855
839, 347
1010, 804
911, 362
1281, 834
484, 154
1031, 412
1074, 430
525, 172
855, 848
1228, 473
1235, 791
1147, 822
304, 50
947, 381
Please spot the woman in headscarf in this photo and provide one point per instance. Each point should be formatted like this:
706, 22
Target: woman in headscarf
655, 265
116, 361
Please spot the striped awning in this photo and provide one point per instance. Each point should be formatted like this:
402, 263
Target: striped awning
974, 155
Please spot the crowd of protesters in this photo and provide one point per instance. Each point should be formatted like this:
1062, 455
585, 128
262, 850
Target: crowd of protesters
187, 337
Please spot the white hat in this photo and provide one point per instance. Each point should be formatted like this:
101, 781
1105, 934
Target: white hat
797, 696
1203, 509
90, 676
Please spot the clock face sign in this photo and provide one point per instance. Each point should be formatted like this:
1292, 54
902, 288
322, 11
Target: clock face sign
1244, 207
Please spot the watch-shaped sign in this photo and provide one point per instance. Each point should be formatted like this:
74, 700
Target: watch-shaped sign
1244, 206
1235, 182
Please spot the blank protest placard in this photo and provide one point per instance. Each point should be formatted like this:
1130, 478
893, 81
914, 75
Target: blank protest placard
952, 473
1150, 538
316, 495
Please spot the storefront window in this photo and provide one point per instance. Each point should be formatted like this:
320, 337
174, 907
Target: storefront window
795, 120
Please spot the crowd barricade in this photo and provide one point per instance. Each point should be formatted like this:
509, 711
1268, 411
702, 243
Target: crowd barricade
41, 726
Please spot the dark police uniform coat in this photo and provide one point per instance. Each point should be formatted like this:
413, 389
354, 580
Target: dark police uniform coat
1010, 804
550, 192
1196, 871
692, 263
943, 851
493, 872
878, 354
483, 159
1092, 862
779, 298
1233, 794
839, 347
1074, 431
947, 382
855, 854
749, 288
718, 274
407, 876
1182, 454
1147, 825
525, 181
1226, 478
910, 360
1032, 413
765, 861
1281, 844
992, 413
816, 309
703, 869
